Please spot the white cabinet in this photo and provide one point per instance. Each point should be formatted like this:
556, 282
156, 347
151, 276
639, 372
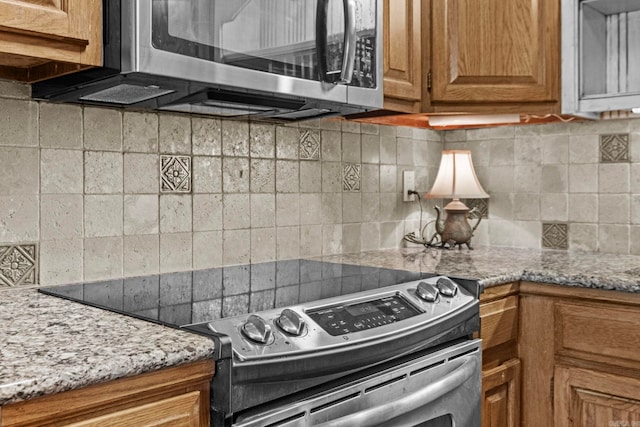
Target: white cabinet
600, 55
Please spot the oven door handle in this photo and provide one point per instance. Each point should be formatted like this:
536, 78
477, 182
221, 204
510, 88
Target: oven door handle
435, 390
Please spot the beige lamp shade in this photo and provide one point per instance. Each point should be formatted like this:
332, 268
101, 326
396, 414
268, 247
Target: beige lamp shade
456, 178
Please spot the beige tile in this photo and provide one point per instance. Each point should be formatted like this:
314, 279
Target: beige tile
61, 262
371, 148
207, 174
529, 130
583, 208
583, 178
527, 234
19, 219
262, 140
331, 177
331, 239
613, 178
174, 133
583, 237
287, 176
12, 89
584, 149
388, 178
331, 146
103, 172
102, 129
287, 242
613, 238
555, 178
635, 178
263, 176
332, 208
310, 240
350, 127
236, 211
371, 207
310, 177
526, 206
404, 132
18, 122
501, 179
351, 207
311, 208
176, 213
287, 142
61, 216
176, 252
236, 247
421, 153
141, 255
455, 135
102, 258
140, 132
60, 125
331, 124
235, 138
599, 126
502, 206
528, 178
19, 171
528, 149
263, 210
390, 234
207, 212
554, 207
502, 152
141, 173
351, 147
370, 236
501, 233
635, 209
555, 149
388, 150
405, 151
235, 175
263, 244
351, 238
391, 208
287, 209
103, 216
499, 132
370, 178
613, 209
635, 240
206, 136
141, 214
207, 249
61, 171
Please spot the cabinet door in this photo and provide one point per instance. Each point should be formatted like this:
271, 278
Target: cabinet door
34, 32
402, 59
587, 398
501, 395
498, 51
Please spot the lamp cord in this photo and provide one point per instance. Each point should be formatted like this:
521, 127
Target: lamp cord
411, 237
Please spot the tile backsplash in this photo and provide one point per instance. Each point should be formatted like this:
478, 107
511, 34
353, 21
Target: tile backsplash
94, 193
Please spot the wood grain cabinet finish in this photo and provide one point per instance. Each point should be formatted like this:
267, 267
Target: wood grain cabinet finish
495, 51
44, 38
501, 395
176, 397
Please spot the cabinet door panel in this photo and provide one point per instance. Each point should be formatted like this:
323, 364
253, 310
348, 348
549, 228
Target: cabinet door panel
56, 18
495, 51
501, 395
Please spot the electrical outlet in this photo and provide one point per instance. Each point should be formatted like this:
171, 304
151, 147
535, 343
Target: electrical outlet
408, 183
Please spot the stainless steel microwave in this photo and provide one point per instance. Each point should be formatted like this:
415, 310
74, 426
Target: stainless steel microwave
282, 59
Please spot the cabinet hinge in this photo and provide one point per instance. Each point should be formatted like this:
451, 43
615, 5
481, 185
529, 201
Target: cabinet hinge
429, 81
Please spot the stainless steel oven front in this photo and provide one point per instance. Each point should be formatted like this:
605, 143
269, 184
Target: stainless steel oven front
402, 355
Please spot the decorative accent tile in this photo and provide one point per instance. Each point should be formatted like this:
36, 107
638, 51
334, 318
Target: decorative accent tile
614, 148
18, 265
482, 206
310, 145
175, 174
555, 236
351, 176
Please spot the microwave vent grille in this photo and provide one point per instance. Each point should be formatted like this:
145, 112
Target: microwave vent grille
126, 94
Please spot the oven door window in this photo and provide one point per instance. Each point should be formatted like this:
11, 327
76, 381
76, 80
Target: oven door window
296, 38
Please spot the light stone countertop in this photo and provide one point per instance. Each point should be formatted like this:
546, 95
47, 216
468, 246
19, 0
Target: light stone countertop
49, 345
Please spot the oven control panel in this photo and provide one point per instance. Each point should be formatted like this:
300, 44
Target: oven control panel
331, 323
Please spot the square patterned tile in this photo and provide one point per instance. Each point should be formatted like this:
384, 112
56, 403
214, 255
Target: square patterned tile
614, 148
482, 206
351, 176
310, 145
555, 236
18, 265
175, 174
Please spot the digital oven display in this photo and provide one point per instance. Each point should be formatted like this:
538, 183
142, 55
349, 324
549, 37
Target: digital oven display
348, 318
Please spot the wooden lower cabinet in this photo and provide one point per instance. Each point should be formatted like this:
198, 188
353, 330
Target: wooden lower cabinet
589, 398
176, 397
501, 395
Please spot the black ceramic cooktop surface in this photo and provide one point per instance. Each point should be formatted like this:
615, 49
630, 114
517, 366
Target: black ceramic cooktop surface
177, 299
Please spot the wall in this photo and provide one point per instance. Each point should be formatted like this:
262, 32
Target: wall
570, 186
94, 194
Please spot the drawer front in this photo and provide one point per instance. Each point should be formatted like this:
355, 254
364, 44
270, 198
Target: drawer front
598, 332
499, 321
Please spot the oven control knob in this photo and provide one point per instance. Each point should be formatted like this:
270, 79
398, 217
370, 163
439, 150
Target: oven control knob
290, 322
427, 291
446, 287
257, 330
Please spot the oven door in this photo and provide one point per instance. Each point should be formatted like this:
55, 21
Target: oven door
437, 389
311, 48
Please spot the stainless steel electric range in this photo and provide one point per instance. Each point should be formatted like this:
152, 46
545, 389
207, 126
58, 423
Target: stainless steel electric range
344, 346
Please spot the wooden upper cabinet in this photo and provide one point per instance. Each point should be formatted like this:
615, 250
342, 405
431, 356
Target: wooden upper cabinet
495, 51
45, 38
403, 50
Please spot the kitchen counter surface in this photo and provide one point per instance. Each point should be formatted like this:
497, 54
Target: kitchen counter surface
49, 345
496, 265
